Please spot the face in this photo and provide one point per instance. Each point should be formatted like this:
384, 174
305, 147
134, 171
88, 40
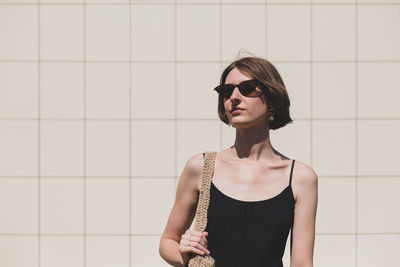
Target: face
254, 105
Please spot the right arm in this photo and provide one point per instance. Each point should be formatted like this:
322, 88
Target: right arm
182, 215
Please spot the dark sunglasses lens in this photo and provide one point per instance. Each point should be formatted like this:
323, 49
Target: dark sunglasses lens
227, 90
246, 88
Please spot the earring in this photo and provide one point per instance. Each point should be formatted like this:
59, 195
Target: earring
271, 118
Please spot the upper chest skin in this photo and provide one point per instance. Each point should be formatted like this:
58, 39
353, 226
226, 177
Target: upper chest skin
250, 181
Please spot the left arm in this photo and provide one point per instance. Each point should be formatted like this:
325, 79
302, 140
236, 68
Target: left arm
306, 185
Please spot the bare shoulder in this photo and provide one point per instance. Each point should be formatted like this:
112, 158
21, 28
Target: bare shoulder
193, 169
304, 179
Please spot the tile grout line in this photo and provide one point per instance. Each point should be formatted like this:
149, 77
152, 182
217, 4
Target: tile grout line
84, 134
192, 119
356, 136
158, 235
175, 96
130, 133
197, 61
206, 3
311, 84
221, 139
266, 29
53, 177
38, 132
311, 91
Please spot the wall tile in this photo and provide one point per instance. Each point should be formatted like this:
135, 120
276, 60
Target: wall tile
158, 158
107, 206
107, 32
376, 39
60, 213
334, 147
228, 135
288, 32
61, 251
107, 148
153, 1
336, 214
19, 148
288, 2
336, 1
252, 31
107, 91
61, 90
195, 95
18, 206
152, 201
241, 1
379, 90
19, 97
61, 32
334, 96
25, 245
153, 90
61, 148
19, 1
378, 250
153, 32
104, 251
378, 157
374, 1
107, 1
64, 1
197, 38
333, 38
19, 32
328, 247
145, 252
378, 205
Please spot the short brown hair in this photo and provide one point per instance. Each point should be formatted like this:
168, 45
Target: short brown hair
272, 84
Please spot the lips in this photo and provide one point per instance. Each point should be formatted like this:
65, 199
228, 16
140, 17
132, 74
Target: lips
232, 110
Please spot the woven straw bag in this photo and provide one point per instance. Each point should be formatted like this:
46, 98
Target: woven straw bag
198, 260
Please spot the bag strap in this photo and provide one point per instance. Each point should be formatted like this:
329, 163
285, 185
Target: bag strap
204, 196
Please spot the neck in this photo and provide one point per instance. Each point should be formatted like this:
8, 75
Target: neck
253, 143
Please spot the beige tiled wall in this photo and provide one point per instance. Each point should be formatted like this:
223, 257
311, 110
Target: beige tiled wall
103, 101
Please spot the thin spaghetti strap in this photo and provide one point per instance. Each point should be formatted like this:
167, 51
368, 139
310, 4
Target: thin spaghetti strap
291, 228
291, 172
204, 154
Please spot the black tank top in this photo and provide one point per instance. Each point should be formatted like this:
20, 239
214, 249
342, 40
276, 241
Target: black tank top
249, 233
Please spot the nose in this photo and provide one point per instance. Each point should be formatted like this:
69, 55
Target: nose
235, 93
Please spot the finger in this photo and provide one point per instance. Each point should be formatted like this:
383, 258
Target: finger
199, 246
199, 240
194, 250
195, 233
205, 239
192, 244
203, 243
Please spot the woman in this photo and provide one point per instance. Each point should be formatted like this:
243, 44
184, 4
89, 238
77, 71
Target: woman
257, 194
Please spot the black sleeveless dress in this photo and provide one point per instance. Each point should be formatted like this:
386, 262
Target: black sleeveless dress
249, 233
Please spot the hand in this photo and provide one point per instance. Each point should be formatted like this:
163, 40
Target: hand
193, 241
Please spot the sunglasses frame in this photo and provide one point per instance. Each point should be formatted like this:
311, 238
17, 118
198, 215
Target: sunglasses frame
232, 87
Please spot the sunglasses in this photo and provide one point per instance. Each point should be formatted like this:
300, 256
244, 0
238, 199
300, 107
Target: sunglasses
246, 88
